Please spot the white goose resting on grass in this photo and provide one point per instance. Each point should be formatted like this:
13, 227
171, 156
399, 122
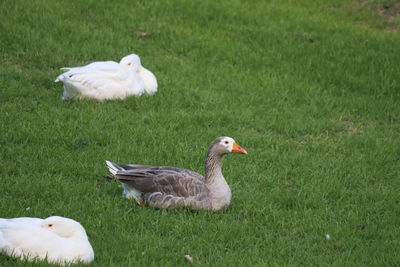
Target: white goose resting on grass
55, 239
108, 80
170, 187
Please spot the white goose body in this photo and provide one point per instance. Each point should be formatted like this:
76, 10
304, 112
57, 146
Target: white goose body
148, 78
169, 187
108, 80
56, 239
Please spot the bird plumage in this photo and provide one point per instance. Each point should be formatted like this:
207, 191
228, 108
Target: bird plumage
56, 239
108, 80
167, 187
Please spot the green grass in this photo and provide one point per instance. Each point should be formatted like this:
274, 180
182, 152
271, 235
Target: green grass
309, 88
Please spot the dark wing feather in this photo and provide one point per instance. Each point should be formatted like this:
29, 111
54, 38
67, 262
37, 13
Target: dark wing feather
168, 180
155, 170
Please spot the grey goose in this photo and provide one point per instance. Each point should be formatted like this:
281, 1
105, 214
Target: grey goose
169, 187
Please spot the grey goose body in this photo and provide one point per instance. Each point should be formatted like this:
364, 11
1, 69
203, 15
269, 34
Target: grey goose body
170, 187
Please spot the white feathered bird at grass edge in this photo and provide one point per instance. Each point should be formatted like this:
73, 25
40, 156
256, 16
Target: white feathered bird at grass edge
108, 80
55, 239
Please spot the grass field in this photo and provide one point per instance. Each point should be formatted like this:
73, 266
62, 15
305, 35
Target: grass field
311, 89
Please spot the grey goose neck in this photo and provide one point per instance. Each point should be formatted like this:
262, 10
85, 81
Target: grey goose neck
213, 164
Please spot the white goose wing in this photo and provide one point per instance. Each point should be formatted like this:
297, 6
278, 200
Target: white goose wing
20, 220
101, 80
149, 80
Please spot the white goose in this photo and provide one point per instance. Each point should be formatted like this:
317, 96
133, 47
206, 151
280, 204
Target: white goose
170, 187
108, 80
59, 240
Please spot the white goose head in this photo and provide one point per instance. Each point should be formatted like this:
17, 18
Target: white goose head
132, 61
63, 227
224, 145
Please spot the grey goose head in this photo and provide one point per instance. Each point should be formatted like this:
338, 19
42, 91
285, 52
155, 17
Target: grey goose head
224, 145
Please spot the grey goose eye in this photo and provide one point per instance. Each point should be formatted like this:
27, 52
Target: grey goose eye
226, 142
50, 225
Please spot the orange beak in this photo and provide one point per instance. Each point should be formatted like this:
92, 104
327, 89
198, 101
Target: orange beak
238, 149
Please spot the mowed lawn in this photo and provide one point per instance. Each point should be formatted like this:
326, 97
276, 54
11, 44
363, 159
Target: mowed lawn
311, 89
